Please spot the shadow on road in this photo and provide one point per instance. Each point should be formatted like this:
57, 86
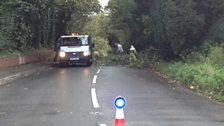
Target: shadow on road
57, 65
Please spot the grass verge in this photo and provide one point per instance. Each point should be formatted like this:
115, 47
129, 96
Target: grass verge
204, 78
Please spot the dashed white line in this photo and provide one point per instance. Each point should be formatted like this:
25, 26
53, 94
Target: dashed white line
94, 98
94, 79
1, 113
93, 94
98, 71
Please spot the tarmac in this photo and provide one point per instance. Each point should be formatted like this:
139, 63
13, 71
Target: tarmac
10, 74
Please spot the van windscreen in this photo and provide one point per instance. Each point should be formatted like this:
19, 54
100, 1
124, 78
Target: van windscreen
74, 41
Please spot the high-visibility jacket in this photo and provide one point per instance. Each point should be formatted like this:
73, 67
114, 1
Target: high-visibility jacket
133, 54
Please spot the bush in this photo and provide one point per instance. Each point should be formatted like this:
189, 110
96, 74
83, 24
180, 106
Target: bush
185, 73
216, 31
145, 58
216, 56
101, 46
113, 59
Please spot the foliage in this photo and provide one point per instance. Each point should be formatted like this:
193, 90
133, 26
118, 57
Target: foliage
98, 25
113, 59
175, 28
216, 56
206, 76
215, 33
34, 24
101, 46
121, 18
81, 13
145, 59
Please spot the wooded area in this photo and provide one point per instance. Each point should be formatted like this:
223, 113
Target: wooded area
174, 28
31, 24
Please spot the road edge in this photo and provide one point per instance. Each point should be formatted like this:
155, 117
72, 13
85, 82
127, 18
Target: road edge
13, 77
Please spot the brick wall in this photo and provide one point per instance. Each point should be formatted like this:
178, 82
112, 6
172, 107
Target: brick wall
24, 59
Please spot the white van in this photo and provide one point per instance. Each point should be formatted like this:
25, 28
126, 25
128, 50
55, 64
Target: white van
74, 49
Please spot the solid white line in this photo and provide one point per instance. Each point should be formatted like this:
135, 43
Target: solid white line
94, 79
1, 113
103, 125
98, 71
94, 98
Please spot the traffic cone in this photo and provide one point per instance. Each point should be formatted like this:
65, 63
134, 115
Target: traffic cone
119, 118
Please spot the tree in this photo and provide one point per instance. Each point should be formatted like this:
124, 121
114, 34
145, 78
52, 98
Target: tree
173, 27
121, 18
29, 24
180, 26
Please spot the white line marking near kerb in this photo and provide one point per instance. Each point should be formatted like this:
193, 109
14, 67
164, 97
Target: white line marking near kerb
98, 71
1, 113
103, 125
94, 99
94, 79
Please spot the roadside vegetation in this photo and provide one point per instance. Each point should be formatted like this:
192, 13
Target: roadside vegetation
203, 74
27, 26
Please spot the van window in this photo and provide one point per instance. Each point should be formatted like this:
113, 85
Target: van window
74, 41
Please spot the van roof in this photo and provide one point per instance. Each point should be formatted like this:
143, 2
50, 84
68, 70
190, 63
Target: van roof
71, 36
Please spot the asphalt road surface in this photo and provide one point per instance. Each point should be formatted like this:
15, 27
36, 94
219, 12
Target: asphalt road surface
84, 96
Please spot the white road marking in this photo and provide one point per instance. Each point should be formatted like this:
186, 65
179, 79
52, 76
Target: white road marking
94, 79
93, 94
98, 71
94, 98
1, 113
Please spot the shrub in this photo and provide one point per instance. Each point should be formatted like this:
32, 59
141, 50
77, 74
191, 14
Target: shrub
101, 46
113, 59
185, 73
145, 58
216, 56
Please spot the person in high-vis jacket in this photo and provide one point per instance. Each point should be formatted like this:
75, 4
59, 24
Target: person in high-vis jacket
133, 54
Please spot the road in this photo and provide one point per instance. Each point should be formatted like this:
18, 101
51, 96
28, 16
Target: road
84, 96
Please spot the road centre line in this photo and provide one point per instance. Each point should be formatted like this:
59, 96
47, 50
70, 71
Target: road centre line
93, 93
1, 113
94, 79
94, 98
98, 71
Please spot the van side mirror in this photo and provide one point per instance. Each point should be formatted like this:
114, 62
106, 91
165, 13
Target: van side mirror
93, 45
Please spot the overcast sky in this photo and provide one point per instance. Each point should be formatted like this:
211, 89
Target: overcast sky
103, 2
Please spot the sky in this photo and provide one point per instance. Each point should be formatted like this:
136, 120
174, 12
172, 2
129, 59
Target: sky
103, 2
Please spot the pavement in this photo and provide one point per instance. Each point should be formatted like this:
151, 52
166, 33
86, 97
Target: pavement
10, 74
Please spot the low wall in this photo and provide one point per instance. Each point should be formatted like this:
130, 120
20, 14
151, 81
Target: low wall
24, 59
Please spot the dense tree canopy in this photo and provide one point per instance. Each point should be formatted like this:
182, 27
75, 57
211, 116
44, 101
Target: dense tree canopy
173, 27
29, 24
